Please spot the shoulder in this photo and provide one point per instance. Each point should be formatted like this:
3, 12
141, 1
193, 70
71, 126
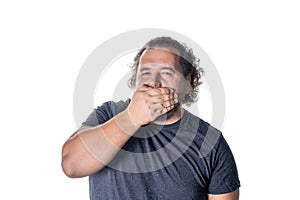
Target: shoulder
204, 128
112, 108
104, 112
207, 138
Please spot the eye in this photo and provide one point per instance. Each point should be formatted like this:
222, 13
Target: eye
145, 73
167, 73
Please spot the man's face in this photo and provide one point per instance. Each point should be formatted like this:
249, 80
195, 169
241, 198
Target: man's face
159, 68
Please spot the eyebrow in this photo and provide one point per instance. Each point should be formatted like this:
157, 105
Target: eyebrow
144, 69
163, 68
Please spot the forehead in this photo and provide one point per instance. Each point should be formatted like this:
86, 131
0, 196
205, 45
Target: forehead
159, 56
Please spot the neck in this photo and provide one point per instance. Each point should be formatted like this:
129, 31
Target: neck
170, 117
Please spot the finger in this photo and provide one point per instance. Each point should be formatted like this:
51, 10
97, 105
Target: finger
164, 101
144, 87
160, 91
169, 108
159, 101
161, 98
159, 107
168, 103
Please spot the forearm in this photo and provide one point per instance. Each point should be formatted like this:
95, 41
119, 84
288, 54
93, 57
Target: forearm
90, 149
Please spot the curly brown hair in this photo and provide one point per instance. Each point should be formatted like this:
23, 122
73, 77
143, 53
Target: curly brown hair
189, 63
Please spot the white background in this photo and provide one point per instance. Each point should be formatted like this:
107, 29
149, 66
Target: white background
254, 45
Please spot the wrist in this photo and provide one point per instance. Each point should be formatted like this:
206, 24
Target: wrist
126, 123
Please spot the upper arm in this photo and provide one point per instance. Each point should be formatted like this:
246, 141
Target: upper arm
224, 175
227, 196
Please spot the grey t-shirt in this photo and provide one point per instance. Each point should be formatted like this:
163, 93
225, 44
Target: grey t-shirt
185, 160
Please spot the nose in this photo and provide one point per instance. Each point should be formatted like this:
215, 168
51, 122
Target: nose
155, 81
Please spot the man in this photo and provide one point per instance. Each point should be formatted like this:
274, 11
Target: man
149, 147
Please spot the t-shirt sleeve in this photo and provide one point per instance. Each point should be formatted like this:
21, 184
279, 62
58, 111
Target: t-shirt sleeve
104, 112
98, 116
224, 177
